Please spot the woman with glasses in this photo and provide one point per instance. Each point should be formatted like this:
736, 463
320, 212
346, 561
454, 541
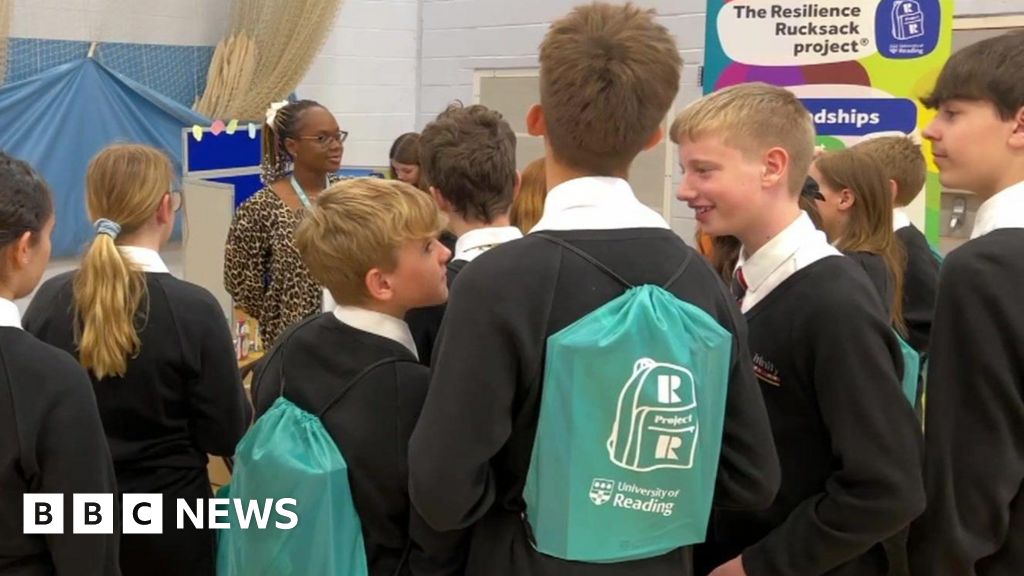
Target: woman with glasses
263, 273
158, 351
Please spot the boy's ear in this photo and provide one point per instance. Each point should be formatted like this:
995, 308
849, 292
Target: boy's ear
894, 189
776, 164
378, 285
655, 138
535, 123
1017, 137
519, 185
443, 204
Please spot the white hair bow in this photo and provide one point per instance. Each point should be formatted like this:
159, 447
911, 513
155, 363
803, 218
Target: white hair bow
272, 112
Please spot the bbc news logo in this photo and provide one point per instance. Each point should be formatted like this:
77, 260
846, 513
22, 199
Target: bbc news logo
144, 513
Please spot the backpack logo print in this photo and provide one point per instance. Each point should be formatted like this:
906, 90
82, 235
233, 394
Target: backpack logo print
601, 490
667, 386
656, 422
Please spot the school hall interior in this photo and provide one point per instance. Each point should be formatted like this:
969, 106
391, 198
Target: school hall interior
208, 83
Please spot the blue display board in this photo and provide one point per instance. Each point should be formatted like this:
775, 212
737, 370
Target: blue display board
222, 152
235, 159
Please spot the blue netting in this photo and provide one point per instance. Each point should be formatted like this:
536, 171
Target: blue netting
59, 119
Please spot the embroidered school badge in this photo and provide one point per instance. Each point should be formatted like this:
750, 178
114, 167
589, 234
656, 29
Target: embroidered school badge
766, 371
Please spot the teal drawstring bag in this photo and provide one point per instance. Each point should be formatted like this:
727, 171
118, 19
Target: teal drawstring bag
288, 454
630, 428
911, 370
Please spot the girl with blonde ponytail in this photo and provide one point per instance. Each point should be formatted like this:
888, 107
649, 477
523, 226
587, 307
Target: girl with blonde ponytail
158, 350
109, 288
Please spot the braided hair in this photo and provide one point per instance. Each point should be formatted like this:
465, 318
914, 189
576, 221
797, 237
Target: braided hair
25, 203
277, 162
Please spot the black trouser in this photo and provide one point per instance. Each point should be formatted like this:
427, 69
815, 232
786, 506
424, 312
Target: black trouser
187, 552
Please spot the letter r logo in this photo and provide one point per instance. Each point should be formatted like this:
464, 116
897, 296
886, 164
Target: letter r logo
667, 386
667, 446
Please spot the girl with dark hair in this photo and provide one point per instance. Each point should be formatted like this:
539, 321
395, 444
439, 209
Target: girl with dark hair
302, 150
51, 438
405, 158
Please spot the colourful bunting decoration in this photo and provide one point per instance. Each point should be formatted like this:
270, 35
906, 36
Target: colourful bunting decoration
218, 127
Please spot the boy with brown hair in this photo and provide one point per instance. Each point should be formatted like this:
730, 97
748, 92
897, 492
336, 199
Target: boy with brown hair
468, 164
373, 244
824, 354
905, 169
608, 76
974, 523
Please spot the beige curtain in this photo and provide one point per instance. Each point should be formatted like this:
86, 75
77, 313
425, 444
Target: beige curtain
6, 7
268, 50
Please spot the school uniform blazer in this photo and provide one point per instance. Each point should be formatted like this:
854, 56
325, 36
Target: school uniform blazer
181, 397
974, 414
920, 283
878, 273
849, 443
51, 442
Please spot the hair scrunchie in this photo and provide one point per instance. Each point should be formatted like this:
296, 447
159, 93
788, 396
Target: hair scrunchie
108, 227
272, 113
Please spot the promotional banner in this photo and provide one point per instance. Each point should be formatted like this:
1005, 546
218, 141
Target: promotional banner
859, 66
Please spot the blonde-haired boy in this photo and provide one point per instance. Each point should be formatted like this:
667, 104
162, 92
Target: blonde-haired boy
824, 354
373, 244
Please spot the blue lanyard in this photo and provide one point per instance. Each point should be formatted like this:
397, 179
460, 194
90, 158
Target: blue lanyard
302, 193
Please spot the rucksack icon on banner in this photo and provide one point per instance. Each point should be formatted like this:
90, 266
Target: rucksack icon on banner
907, 20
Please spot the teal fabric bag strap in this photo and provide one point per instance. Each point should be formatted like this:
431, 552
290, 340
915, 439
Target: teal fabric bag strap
276, 351
355, 380
281, 350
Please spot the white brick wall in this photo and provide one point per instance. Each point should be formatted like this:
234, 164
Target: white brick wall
389, 66
175, 22
460, 36
366, 74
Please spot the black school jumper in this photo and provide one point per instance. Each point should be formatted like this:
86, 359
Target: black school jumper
180, 399
51, 442
920, 283
974, 523
471, 450
371, 425
878, 273
848, 441
425, 323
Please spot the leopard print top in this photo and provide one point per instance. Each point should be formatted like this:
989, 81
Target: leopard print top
263, 271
